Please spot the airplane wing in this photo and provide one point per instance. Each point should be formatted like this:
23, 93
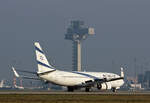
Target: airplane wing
91, 83
24, 77
98, 81
31, 72
95, 82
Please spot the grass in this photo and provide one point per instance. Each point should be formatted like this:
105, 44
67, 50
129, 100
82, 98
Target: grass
74, 98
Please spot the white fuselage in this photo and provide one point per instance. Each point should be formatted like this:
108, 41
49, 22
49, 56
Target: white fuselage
77, 78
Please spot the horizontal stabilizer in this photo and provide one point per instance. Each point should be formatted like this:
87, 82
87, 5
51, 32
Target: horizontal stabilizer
30, 72
26, 77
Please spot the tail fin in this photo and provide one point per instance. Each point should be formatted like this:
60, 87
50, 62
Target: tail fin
15, 72
122, 73
43, 65
2, 84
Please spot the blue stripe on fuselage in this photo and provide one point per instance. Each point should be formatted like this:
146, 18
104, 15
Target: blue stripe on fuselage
87, 75
45, 65
39, 50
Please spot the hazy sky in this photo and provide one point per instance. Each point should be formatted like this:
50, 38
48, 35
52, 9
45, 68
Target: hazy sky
122, 30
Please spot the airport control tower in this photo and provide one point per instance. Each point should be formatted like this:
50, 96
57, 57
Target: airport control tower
77, 32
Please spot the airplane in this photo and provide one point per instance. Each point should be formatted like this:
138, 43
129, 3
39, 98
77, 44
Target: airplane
73, 80
16, 76
3, 85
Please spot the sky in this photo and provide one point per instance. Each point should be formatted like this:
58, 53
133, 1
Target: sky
122, 34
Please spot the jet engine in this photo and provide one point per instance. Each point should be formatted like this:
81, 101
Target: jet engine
104, 86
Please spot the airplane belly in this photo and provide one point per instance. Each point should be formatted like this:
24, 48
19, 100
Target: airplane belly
70, 81
74, 81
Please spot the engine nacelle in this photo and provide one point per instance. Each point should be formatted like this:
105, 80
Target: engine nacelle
104, 86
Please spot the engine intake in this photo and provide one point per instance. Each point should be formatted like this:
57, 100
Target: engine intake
104, 86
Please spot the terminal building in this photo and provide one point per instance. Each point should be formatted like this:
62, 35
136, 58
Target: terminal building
144, 79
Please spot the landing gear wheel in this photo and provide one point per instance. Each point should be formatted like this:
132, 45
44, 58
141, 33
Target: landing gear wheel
87, 89
70, 89
113, 89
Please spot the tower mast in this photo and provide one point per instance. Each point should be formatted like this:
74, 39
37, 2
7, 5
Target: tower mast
77, 33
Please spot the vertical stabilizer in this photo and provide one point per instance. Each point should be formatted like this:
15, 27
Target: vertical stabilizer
43, 64
2, 84
122, 73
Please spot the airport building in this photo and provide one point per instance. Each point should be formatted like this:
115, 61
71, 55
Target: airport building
144, 79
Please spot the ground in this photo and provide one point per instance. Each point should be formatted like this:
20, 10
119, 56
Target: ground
64, 97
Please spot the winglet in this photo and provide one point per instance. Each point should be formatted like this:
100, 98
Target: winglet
122, 73
15, 72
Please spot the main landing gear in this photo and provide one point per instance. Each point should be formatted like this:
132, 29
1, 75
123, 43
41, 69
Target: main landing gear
70, 89
87, 89
113, 89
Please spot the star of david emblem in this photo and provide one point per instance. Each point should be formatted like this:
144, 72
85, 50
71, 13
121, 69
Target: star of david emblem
41, 57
